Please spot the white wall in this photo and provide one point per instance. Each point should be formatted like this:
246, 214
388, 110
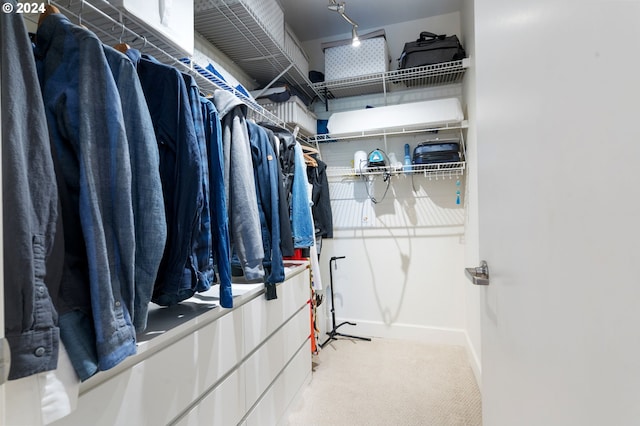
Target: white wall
398, 285
471, 248
405, 255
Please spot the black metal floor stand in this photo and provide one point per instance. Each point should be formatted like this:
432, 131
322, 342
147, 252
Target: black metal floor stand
334, 331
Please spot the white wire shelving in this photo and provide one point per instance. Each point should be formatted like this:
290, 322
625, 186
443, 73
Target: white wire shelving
252, 33
113, 25
428, 75
391, 131
434, 171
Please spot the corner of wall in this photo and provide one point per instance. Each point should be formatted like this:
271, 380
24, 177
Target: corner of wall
474, 360
472, 246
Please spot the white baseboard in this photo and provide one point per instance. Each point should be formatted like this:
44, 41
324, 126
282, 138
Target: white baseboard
474, 360
435, 335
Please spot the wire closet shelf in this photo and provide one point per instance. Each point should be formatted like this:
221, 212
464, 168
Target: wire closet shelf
393, 131
112, 25
427, 75
433, 171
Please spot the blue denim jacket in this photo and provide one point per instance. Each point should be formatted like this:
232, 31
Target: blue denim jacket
146, 188
202, 262
30, 206
218, 203
180, 173
265, 168
89, 143
301, 217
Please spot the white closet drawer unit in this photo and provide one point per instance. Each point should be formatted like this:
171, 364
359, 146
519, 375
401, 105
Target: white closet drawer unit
158, 389
271, 358
261, 319
223, 406
200, 372
276, 401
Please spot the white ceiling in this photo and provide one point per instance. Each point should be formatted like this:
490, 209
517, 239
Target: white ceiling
310, 19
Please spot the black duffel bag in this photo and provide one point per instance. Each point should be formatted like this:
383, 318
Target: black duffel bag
431, 49
437, 151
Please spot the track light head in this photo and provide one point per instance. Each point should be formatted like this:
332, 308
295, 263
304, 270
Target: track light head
355, 40
339, 7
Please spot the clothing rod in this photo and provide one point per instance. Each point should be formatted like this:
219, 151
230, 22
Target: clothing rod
120, 27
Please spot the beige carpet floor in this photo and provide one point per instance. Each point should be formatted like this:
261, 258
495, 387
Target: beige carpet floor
389, 382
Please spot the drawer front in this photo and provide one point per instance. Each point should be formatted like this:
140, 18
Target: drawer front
262, 317
223, 406
159, 388
276, 401
268, 361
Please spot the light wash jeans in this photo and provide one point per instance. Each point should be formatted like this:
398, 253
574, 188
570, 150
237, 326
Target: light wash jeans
301, 217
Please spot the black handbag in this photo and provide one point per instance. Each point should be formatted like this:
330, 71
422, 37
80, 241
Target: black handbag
437, 151
431, 49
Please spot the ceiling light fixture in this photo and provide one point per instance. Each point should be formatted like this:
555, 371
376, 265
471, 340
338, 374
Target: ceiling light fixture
339, 8
355, 40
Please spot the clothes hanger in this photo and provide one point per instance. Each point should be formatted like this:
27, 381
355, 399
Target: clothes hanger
311, 162
121, 46
80, 14
48, 10
309, 149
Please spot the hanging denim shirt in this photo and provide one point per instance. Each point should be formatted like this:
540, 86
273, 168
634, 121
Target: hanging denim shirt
30, 205
148, 202
301, 218
218, 204
90, 145
180, 173
202, 257
265, 167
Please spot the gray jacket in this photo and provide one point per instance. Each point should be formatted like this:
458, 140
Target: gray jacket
240, 189
30, 208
